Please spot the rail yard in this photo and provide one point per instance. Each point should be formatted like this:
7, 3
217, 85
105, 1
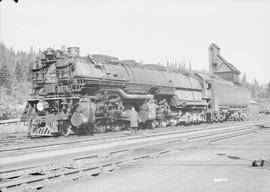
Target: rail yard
92, 117
225, 165
50, 162
134, 96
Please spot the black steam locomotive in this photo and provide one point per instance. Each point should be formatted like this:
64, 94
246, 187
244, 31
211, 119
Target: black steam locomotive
77, 94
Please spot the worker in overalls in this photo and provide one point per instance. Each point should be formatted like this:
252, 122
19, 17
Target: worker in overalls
133, 118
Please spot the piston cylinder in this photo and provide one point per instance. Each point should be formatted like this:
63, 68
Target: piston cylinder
84, 114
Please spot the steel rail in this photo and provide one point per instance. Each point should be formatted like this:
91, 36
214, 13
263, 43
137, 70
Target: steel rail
11, 140
110, 164
25, 139
98, 140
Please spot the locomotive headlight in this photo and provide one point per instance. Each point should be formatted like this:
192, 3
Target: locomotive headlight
40, 106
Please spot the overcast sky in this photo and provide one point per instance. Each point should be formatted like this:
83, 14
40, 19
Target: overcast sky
150, 30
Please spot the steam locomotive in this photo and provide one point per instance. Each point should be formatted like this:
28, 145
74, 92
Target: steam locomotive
89, 94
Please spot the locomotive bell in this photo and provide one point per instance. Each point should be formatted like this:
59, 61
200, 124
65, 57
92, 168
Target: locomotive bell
74, 51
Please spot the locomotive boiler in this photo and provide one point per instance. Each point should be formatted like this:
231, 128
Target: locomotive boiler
77, 94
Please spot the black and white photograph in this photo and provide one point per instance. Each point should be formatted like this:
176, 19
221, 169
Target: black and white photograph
135, 95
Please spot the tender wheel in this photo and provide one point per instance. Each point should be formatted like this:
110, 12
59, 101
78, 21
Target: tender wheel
188, 120
218, 118
65, 128
222, 118
243, 117
154, 124
203, 118
231, 118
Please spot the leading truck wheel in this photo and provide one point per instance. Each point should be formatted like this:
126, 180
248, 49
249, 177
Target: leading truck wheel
65, 128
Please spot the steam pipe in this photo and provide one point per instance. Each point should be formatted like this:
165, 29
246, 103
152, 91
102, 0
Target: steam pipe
125, 95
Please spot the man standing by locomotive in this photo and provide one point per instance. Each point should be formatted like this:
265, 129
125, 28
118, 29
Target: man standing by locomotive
208, 114
133, 118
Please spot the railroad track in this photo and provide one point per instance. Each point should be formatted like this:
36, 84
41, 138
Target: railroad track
14, 140
54, 144
92, 160
18, 139
22, 140
20, 144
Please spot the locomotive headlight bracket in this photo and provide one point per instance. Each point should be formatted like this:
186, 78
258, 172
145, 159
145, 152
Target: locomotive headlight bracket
40, 106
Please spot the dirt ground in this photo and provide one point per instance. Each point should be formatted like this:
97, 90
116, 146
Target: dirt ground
223, 166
